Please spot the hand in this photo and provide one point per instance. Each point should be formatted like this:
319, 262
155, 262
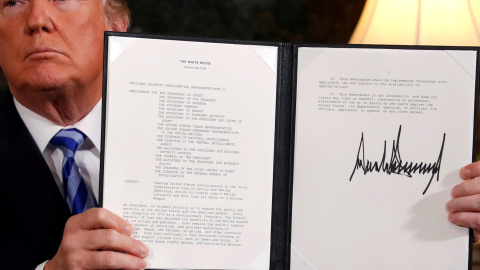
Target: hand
98, 239
464, 208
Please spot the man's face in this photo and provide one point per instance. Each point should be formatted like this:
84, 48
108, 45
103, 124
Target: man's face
51, 44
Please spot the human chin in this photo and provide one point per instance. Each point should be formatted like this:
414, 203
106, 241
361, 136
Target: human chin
46, 78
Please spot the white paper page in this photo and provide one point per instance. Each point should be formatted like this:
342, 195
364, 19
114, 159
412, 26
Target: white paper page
346, 213
189, 150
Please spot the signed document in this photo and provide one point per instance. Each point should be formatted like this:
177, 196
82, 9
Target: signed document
245, 155
380, 137
188, 149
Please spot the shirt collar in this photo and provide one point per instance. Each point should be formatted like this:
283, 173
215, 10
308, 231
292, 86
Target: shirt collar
42, 129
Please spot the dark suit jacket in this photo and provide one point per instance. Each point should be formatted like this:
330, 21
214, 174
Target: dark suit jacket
32, 210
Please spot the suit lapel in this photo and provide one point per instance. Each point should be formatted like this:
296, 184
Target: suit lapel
27, 184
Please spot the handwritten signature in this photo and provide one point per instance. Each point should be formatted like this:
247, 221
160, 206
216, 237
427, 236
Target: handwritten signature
396, 165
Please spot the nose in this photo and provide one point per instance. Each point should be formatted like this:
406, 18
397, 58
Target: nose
39, 16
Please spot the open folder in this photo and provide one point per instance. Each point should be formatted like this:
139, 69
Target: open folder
250, 155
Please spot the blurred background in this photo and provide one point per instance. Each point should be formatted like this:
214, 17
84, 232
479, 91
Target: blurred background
316, 21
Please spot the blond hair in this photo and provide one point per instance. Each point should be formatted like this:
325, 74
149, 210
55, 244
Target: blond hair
117, 8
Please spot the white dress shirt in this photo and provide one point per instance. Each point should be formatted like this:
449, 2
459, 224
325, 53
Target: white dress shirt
87, 156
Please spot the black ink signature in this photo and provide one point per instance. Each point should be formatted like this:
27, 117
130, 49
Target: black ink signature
396, 164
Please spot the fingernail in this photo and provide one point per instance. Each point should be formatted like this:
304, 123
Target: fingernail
450, 217
453, 193
447, 206
143, 264
144, 251
465, 173
128, 229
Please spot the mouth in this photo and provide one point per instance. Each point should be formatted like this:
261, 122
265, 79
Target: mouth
42, 52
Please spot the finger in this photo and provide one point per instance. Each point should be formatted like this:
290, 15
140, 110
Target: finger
476, 236
100, 218
112, 260
466, 219
108, 239
470, 171
467, 188
464, 204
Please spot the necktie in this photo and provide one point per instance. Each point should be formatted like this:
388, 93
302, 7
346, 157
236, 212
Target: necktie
78, 197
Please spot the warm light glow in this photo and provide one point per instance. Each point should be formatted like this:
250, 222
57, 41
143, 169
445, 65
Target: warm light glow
419, 22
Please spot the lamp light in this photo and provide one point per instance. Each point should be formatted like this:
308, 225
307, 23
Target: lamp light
419, 22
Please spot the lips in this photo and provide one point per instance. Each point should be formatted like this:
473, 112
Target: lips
40, 52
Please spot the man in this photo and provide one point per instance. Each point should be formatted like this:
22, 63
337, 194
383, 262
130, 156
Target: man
51, 52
